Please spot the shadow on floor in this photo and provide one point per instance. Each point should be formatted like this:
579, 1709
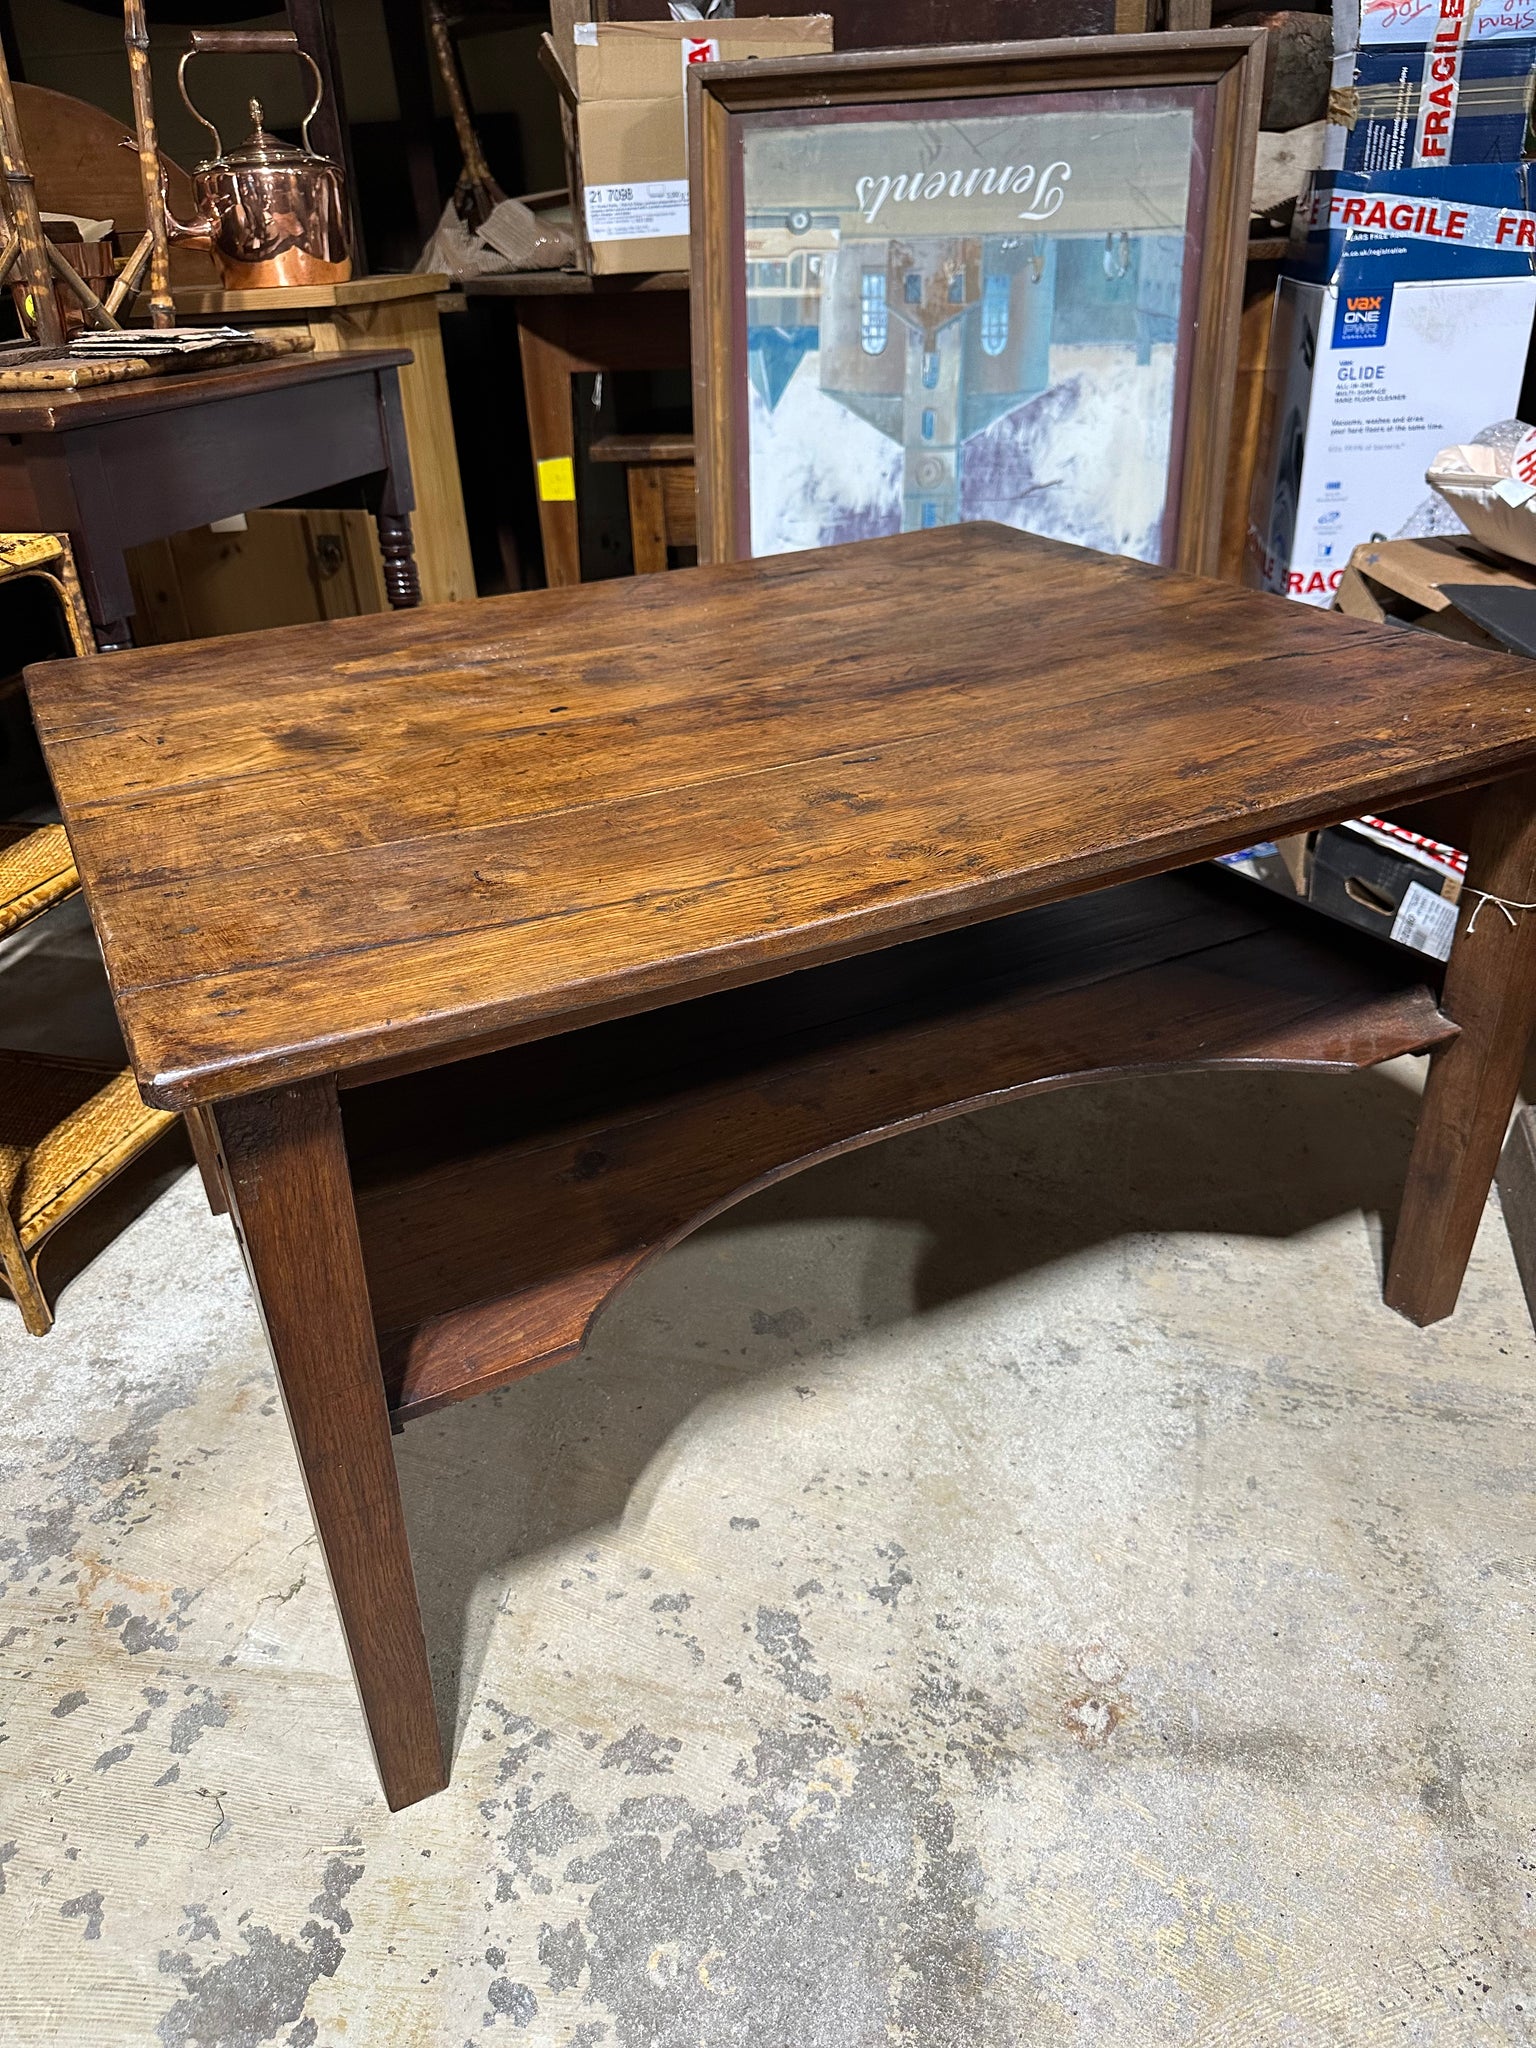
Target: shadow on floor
969, 1205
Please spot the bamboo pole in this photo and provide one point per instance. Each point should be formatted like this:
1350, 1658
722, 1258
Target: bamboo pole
162, 309
25, 223
128, 277
476, 186
96, 313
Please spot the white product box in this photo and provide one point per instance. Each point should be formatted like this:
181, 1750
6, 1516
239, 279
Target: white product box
1404, 330
1355, 427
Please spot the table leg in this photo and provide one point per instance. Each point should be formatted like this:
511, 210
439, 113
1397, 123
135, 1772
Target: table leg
204, 1140
1490, 991
69, 482
286, 1174
402, 584
21, 1278
647, 517
547, 373
396, 500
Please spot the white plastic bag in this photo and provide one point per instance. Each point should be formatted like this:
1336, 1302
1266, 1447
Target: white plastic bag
511, 237
1489, 482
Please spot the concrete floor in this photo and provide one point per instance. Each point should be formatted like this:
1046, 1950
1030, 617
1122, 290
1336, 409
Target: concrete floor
1015, 1585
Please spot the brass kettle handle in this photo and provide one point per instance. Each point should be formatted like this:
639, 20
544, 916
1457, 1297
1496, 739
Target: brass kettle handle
246, 42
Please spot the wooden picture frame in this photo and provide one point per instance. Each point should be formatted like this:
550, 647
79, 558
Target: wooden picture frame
1181, 111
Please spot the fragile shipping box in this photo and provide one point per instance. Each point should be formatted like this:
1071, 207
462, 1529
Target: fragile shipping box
1413, 106
1404, 329
623, 82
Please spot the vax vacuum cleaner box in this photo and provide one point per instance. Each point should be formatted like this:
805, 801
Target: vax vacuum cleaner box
1403, 329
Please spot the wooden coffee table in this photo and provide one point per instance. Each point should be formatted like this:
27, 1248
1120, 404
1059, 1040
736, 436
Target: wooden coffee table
505, 942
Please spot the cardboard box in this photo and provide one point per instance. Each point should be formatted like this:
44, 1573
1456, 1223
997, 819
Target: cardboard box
1404, 329
1444, 586
626, 128
1389, 883
1424, 107
1369, 873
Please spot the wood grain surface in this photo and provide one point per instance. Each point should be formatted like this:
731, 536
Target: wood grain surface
384, 840
42, 412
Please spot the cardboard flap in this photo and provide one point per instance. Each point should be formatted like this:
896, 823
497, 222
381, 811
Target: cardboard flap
644, 60
549, 60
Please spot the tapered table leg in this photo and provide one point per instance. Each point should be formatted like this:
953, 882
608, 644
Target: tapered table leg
1490, 991
285, 1170
204, 1140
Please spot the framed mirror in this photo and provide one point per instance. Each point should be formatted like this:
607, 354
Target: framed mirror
982, 283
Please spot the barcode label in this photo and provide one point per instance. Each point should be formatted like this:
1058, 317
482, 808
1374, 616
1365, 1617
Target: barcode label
636, 213
1426, 921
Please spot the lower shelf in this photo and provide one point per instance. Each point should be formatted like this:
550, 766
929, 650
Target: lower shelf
503, 1200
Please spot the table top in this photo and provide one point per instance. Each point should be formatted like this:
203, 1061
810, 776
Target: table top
310, 298
543, 284
45, 412
369, 841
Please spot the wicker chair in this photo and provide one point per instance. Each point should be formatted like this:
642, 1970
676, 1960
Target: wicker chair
66, 1126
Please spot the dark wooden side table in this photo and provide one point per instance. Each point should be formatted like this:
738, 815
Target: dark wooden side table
125, 463
505, 942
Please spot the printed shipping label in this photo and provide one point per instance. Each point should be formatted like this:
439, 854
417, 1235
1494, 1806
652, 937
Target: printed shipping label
636, 213
1426, 921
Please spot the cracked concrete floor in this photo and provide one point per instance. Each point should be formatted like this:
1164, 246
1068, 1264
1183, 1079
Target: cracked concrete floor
1014, 1585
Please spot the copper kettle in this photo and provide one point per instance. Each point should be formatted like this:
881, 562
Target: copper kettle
269, 213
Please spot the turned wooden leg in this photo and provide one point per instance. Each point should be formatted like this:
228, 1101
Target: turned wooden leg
1490, 991
402, 583
285, 1170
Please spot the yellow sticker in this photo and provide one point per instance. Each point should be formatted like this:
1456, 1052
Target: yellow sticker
557, 481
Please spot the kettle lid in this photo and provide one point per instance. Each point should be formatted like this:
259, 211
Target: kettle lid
267, 151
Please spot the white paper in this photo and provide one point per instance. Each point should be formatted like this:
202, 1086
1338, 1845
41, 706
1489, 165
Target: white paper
638, 212
1426, 921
